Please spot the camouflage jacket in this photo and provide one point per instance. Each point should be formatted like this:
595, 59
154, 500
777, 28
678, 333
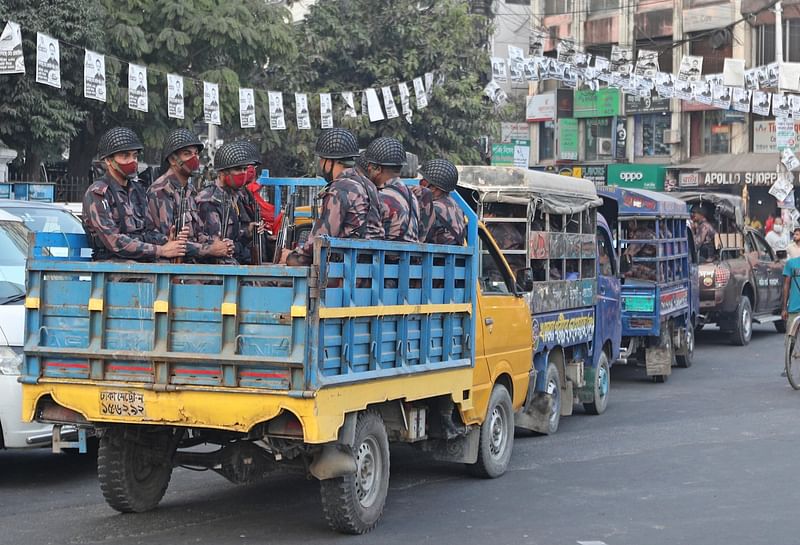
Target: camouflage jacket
351, 208
400, 213
212, 203
448, 226
163, 202
427, 216
114, 219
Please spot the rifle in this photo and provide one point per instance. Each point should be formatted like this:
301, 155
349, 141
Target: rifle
286, 234
226, 216
178, 221
257, 249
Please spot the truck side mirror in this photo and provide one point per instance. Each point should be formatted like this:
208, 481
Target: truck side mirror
525, 280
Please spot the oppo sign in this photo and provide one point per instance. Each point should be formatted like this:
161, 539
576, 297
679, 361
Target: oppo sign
630, 176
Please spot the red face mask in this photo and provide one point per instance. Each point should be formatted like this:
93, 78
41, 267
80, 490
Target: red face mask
251, 174
236, 180
192, 164
128, 170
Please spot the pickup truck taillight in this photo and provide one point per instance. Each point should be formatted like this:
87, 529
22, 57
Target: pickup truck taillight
721, 276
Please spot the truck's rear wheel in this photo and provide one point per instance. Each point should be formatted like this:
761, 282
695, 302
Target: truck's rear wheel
743, 328
686, 357
134, 469
553, 388
497, 436
602, 385
353, 504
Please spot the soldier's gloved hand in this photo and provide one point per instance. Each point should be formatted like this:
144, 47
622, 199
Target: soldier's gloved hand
172, 248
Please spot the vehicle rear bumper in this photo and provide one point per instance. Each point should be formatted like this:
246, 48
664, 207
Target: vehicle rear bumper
16, 433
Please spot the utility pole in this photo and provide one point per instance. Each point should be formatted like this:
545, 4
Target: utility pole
778, 33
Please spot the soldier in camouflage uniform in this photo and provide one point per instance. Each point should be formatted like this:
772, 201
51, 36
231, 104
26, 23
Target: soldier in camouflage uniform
439, 178
221, 205
114, 206
351, 207
385, 159
172, 192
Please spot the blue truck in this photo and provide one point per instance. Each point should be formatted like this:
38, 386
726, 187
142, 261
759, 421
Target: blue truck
272, 368
660, 290
561, 251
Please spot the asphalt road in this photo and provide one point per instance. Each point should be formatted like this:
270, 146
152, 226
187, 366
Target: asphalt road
709, 457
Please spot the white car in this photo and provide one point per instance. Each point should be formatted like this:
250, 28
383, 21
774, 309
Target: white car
17, 219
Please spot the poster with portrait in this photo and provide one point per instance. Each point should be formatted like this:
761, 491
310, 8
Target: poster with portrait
603, 67
566, 51
175, 96
646, 63
137, 87
388, 103
495, 93
621, 59
325, 111
691, 68
94, 76
349, 104
683, 89
48, 61
499, 69
405, 101
665, 84
701, 92
12, 61
516, 60
301, 111
419, 91
429, 84
721, 96
536, 46
211, 103
741, 99
794, 106
773, 75
751, 79
530, 69
780, 105
761, 102
277, 121
247, 108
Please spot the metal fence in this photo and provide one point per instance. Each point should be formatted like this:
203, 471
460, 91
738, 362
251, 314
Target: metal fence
67, 188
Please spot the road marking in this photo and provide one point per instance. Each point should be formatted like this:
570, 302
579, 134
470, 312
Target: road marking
591, 543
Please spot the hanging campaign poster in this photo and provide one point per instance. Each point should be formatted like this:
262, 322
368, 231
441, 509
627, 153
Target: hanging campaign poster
247, 108
211, 103
137, 87
691, 68
94, 76
276, 120
325, 111
405, 101
175, 96
301, 111
388, 103
419, 91
349, 104
48, 61
12, 60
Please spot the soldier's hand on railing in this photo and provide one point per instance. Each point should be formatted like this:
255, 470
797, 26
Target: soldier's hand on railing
172, 248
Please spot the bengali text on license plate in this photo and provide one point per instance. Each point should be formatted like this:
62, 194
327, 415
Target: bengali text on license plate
121, 403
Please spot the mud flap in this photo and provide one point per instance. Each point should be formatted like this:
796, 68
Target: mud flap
658, 359
567, 399
461, 450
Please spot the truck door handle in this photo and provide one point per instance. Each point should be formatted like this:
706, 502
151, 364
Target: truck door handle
488, 321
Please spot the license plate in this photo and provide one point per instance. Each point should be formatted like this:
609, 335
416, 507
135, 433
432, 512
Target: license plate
121, 403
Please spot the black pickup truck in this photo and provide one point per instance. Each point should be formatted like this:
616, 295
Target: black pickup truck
741, 277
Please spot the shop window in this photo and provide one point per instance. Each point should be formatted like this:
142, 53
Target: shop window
598, 144
649, 135
711, 133
599, 6
547, 140
557, 7
765, 42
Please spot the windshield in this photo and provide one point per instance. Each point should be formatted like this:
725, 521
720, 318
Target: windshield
46, 220
13, 250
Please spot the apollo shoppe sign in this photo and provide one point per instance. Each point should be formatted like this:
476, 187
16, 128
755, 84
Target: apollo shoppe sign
637, 176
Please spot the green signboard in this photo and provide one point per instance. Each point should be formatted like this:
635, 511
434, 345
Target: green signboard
503, 155
600, 103
637, 176
568, 139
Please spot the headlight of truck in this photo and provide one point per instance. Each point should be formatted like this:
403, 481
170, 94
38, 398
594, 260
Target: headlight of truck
10, 360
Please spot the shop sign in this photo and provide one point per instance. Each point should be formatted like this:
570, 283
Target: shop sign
785, 133
600, 103
738, 178
503, 155
568, 139
689, 179
765, 135
594, 173
509, 132
637, 176
708, 17
621, 134
635, 104
540, 108
522, 153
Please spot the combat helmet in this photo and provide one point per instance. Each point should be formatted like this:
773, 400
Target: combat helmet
116, 140
177, 140
440, 173
386, 151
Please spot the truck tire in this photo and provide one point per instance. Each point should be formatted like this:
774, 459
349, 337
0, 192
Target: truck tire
353, 504
133, 474
602, 387
743, 327
496, 437
553, 387
685, 360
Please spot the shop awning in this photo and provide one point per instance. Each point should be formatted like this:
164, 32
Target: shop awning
738, 162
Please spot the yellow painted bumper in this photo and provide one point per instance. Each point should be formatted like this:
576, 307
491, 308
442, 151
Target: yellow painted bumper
234, 410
